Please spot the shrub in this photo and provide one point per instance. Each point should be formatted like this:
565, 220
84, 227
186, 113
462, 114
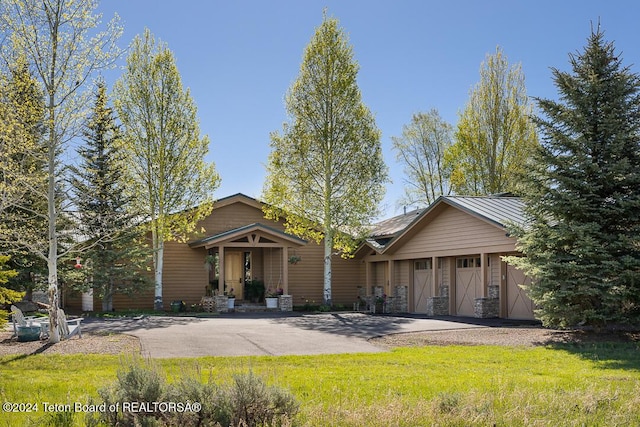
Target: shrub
253, 403
248, 401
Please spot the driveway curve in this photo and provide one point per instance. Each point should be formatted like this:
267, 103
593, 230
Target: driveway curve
266, 333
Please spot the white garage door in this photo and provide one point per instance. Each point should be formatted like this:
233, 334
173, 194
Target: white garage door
467, 285
422, 284
519, 305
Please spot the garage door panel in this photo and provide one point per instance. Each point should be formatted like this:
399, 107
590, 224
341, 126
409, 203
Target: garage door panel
422, 286
467, 290
519, 305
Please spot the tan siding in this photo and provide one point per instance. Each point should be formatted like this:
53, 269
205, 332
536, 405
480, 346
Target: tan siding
494, 276
445, 279
185, 277
345, 280
401, 276
234, 216
453, 230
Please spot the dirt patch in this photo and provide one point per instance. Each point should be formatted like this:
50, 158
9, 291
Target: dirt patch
90, 343
507, 336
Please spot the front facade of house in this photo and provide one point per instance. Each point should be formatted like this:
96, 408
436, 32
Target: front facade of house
447, 259
442, 260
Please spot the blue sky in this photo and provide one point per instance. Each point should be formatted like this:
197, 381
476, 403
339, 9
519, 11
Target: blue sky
240, 57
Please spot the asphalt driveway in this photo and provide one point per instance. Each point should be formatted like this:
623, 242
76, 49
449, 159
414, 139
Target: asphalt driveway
265, 334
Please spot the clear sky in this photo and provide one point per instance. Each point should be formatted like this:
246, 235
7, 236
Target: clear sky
240, 57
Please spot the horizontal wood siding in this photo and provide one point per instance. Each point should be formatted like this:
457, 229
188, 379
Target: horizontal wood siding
494, 270
346, 278
454, 230
184, 276
234, 216
306, 277
401, 276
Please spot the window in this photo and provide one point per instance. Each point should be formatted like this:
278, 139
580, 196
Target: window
424, 264
468, 262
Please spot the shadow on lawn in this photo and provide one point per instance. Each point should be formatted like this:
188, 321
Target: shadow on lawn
614, 350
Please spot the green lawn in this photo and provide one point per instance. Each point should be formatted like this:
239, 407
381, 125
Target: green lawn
594, 384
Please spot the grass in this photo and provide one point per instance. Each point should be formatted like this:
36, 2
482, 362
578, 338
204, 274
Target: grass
564, 385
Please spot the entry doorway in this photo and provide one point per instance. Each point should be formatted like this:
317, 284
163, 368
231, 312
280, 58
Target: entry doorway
234, 273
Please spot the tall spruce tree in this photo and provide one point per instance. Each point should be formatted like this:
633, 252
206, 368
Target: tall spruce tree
582, 244
22, 175
116, 256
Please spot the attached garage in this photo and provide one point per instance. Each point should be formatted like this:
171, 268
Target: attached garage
519, 305
422, 284
456, 247
468, 285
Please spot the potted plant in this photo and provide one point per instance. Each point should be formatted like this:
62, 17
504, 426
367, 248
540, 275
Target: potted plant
272, 297
294, 259
209, 262
231, 298
255, 290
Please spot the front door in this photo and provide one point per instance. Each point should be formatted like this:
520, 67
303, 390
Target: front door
234, 273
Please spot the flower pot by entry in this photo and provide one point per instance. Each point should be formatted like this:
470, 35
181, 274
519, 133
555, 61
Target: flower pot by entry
231, 302
271, 302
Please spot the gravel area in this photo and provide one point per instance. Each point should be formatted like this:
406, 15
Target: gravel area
507, 336
90, 343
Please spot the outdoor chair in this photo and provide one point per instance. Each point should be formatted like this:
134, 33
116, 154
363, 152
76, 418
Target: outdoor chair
68, 328
19, 319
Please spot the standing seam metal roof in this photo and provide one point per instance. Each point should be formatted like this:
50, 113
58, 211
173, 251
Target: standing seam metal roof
498, 209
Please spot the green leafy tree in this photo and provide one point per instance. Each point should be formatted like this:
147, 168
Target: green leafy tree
325, 172
164, 164
59, 40
582, 245
495, 134
115, 252
421, 150
7, 296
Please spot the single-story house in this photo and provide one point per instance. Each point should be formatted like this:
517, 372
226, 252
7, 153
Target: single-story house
445, 259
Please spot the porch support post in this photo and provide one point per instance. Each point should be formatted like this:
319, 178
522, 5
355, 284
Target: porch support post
483, 275
367, 278
392, 275
285, 270
221, 268
435, 288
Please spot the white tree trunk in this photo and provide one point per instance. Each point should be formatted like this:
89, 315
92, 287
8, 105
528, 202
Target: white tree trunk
158, 264
52, 257
328, 247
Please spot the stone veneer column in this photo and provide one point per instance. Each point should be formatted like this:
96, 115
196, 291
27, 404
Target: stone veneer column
487, 307
285, 302
222, 303
401, 301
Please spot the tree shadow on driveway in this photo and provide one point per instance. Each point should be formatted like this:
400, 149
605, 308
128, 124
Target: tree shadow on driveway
348, 324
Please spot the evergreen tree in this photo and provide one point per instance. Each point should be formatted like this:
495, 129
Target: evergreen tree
582, 244
22, 174
115, 257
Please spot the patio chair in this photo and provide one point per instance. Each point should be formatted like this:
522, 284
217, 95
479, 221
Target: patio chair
19, 319
68, 328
